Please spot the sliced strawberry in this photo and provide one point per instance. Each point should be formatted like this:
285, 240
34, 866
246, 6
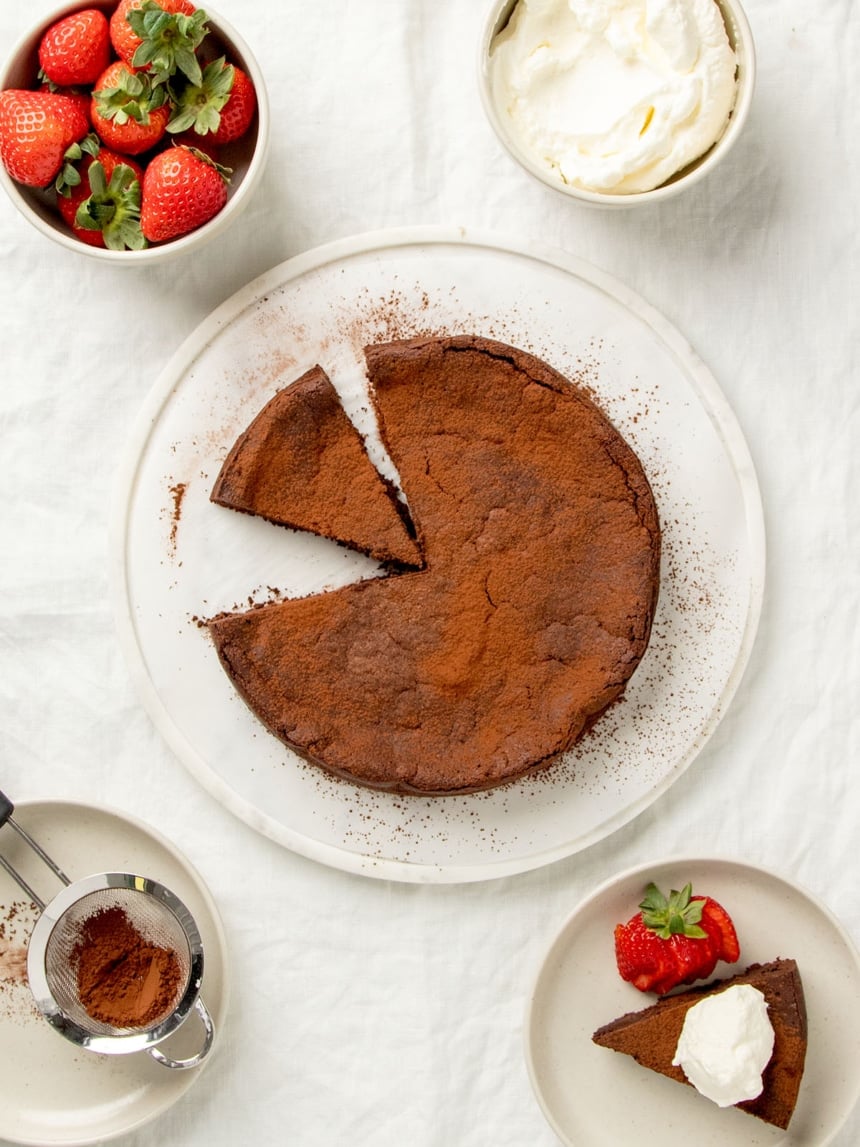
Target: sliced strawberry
694, 958
643, 960
674, 940
715, 917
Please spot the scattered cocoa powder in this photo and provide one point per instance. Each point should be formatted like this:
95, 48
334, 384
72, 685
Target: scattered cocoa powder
123, 979
13, 963
15, 923
177, 493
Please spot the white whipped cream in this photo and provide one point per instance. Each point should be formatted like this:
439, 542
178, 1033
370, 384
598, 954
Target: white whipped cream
725, 1045
614, 95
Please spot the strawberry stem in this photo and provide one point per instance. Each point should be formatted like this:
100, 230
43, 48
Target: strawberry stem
169, 42
134, 97
113, 208
199, 106
679, 915
69, 176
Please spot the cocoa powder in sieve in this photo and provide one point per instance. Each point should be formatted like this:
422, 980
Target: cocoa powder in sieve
123, 979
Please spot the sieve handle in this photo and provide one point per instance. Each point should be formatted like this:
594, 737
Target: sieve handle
6, 810
193, 1060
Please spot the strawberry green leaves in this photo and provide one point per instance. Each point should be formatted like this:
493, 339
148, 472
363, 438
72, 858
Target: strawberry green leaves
169, 41
122, 75
199, 105
132, 97
674, 940
113, 208
69, 175
676, 916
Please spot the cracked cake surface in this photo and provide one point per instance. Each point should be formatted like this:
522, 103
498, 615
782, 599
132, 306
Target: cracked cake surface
541, 546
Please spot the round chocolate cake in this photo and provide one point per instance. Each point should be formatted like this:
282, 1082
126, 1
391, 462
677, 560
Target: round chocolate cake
540, 545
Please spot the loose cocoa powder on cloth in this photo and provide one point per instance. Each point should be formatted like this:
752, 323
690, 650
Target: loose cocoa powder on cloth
15, 923
123, 979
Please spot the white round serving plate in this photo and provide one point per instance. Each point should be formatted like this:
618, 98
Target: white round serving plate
592, 1096
52, 1092
177, 558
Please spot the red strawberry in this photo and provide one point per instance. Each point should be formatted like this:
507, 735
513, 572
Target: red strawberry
220, 108
103, 209
76, 49
643, 959
128, 112
182, 190
164, 35
80, 96
199, 143
237, 113
674, 941
718, 924
693, 958
36, 128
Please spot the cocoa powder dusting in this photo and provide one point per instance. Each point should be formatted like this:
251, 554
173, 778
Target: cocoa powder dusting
123, 979
15, 924
13, 964
177, 493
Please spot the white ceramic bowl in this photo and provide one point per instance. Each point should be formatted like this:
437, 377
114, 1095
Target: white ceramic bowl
246, 157
741, 40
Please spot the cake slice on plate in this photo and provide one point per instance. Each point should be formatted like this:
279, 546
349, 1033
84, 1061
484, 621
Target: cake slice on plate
302, 463
651, 1036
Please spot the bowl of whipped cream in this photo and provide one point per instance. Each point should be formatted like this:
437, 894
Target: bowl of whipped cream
617, 102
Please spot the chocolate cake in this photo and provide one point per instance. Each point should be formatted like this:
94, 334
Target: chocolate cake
302, 463
651, 1036
541, 546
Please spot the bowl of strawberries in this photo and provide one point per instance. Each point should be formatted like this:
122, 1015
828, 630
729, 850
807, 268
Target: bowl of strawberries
132, 130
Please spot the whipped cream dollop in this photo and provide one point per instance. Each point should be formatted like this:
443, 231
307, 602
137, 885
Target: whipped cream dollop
614, 95
725, 1045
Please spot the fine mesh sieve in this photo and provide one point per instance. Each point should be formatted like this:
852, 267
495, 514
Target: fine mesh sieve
165, 934
158, 927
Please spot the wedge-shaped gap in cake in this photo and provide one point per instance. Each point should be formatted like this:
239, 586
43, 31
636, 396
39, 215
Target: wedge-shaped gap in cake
302, 463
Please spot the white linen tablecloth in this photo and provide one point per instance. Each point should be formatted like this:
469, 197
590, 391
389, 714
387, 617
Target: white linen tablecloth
371, 1012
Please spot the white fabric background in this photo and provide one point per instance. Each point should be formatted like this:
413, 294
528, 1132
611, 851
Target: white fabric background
374, 1013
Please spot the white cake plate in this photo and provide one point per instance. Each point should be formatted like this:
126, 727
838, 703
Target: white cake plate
176, 558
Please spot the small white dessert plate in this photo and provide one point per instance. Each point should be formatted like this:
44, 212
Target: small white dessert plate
52, 1092
592, 1096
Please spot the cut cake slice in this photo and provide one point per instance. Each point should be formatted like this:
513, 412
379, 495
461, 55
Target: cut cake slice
302, 463
651, 1036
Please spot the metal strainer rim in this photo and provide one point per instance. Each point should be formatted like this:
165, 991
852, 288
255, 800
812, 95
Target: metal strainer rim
38, 946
